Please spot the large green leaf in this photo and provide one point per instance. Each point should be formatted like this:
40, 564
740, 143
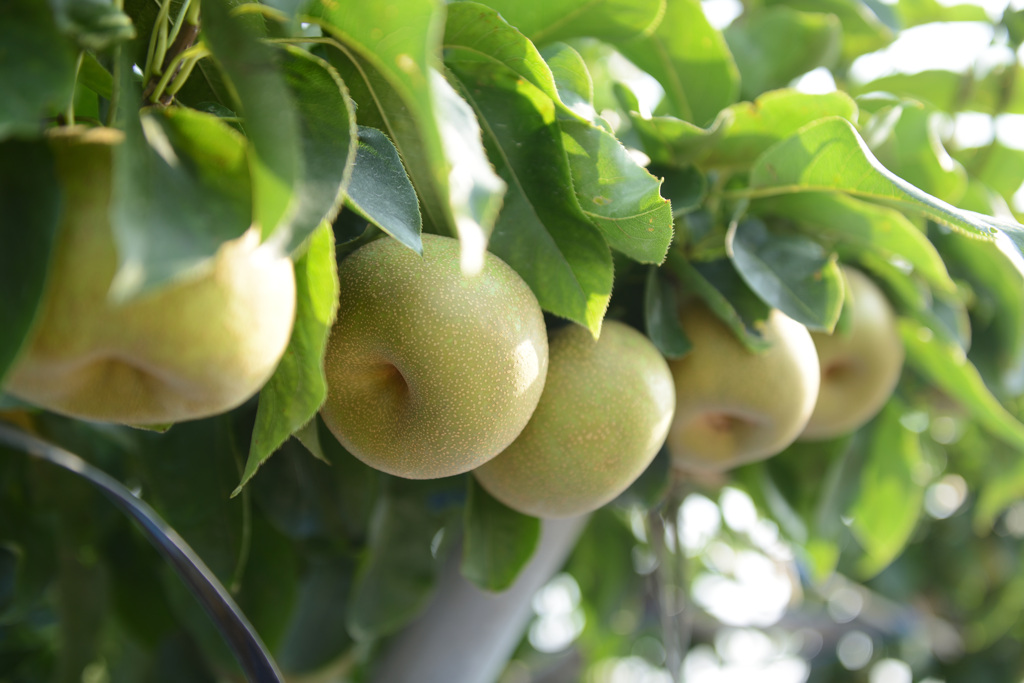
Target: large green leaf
180, 189
546, 21
250, 652
315, 632
774, 45
947, 367
388, 57
885, 512
661, 315
789, 272
497, 541
265, 101
327, 131
541, 232
906, 140
37, 67
774, 116
997, 91
298, 386
835, 218
94, 24
998, 166
199, 508
30, 201
998, 307
691, 61
614, 192
916, 12
382, 193
742, 132
398, 573
829, 155
723, 291
314, 500
863, 31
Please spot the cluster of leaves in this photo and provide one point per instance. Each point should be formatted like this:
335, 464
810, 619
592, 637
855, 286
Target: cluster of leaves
511, 125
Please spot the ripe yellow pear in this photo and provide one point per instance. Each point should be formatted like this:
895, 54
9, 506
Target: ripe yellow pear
196, 347
431, 373
734, 406
859, 368
603, 416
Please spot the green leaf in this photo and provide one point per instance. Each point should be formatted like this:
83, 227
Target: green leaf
399, 570
573, 81
388, 55
95, 76
541, 232
315, 632
995, 92
327, 129
477, 34
1001, 491
265, 101
615, 193
618, 196
774, 45
906, 140
916, 12
546, 21
742, 132
691, 61
661, 315
94, 24
298, 386
381, 192
180, 189
37, 67
999, 167
862, 226
863, 31
723, 290
829, 155
199, 508
245, 644
888, 506
313, 500
947, 367
998, 307
497, 541
30, 200
10, 559
673, 142
789, 272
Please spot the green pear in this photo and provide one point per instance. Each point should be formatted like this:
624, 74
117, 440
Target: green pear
603, 417
197, 347
734, 406
431, 373
860, 366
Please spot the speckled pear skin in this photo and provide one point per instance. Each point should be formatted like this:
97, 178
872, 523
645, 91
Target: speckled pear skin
859, 369
734, 406
197, 347
602, 419
431, 373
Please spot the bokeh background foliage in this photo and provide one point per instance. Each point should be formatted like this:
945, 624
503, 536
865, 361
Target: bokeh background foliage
617, 154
